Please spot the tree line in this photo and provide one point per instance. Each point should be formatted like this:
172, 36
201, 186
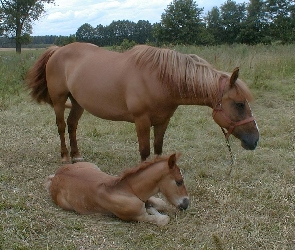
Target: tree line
182, 22
16, 18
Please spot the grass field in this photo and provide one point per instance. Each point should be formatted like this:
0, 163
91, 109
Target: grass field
253, 208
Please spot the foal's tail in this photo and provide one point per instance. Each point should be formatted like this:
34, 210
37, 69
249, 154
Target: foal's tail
36, 77
48, 182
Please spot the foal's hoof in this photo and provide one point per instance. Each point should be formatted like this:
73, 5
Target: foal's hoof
77, 159
163, 220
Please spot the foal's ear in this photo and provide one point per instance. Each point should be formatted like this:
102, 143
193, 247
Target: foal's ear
234, 76
172, 161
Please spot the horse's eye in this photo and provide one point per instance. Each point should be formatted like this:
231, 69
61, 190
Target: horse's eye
179, 183
240, 105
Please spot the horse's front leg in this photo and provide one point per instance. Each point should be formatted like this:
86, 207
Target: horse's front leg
159, 132
73, 118
143, 126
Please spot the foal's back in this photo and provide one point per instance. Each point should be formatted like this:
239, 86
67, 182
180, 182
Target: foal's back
75, 186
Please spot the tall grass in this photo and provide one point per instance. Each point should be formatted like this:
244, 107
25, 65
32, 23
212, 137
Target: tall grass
253, 208
13, 68
263, 67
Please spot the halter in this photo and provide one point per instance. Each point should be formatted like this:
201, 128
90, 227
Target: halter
218, 108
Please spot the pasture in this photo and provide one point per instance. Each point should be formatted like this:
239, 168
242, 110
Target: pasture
252, 208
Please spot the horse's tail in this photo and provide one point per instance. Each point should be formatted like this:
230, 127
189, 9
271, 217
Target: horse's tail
36, 77
48, 181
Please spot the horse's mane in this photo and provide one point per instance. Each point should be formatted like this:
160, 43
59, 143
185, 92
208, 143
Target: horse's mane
243, 90
186, 75
141, 166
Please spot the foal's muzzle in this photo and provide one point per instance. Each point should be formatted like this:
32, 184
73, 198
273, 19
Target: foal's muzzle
184, 204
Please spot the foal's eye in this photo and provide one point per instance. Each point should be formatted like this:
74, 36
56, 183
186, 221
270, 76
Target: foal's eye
240, 105
179, 183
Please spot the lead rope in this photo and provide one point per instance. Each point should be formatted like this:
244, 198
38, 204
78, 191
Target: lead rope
232, 163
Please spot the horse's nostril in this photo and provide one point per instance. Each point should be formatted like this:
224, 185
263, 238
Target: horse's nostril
256, 143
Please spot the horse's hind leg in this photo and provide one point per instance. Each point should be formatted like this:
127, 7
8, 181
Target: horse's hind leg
59, 109
72, 121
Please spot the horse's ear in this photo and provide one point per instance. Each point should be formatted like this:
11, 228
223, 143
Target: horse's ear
172, 161
178, 154
234, 76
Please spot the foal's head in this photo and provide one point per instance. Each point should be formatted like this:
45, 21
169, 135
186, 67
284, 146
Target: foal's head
233, 111
172, 185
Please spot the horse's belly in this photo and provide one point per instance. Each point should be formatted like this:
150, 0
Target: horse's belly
111, 114
121, 97
100, 103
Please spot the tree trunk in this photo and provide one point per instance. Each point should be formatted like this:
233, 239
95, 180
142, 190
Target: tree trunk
18, 33
18, 47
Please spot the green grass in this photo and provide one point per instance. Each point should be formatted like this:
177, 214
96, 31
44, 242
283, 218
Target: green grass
253, 208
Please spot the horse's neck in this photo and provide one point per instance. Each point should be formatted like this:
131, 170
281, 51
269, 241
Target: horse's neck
194, 101
146, 183
198, 91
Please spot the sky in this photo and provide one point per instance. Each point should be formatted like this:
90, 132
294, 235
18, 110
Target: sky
66, 16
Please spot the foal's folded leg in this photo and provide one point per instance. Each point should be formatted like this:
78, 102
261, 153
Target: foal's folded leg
139, 212
159, 219
157, 203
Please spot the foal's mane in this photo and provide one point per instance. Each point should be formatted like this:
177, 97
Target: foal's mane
141, 166
186, 75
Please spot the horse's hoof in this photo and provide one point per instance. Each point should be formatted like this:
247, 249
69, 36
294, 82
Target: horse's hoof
77, 159
63, 162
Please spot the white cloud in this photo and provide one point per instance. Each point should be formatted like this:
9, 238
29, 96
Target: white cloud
65, 17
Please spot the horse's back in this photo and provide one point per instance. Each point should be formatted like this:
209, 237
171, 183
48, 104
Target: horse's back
81, 57
95, 77
108, 84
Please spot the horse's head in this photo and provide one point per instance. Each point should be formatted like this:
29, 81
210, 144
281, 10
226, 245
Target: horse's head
233, 111
172, 185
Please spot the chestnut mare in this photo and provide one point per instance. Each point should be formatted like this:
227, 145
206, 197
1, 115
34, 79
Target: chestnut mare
84, 188
144, 85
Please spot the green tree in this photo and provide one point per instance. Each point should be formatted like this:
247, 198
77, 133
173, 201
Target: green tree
214, 25
254, 28
100, 35
17, 16
85, 33
143, 32
64, 40
282, 16
119, 30
181, 23
232, 15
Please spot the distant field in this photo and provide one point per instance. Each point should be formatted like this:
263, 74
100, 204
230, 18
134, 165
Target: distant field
13, 49
253, 208
7, 49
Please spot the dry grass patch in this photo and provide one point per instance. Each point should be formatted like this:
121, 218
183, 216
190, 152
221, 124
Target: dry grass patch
253, 208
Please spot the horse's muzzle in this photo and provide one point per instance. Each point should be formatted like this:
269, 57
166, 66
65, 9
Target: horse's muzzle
249, 142
184, 204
